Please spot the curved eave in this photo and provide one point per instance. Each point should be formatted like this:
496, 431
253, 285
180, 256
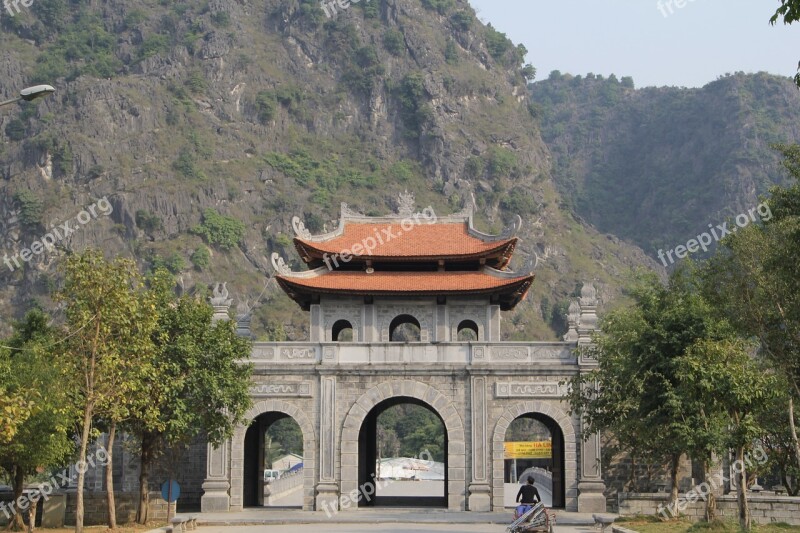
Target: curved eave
507, 289
313, 254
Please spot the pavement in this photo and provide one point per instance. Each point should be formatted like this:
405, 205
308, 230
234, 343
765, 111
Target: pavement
384, 527
371, 516
372, 520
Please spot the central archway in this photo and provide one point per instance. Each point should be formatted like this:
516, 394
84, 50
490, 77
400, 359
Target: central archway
405, 391
416, 479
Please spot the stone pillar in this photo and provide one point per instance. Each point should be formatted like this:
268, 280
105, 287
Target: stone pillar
215, 487
371, 333
480, 498
327, 488
316, 331
244, 317
493, 324
441, 330
591, 488
573, 319
587, 322
220, 302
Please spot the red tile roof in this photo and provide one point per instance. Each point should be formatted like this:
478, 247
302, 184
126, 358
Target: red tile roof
388, 283
418, 241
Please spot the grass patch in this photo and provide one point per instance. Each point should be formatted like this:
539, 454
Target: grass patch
651, 524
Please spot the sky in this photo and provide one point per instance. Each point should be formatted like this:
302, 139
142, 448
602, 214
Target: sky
654, 41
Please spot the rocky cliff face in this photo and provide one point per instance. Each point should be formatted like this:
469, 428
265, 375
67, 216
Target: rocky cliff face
194, 119
657, 165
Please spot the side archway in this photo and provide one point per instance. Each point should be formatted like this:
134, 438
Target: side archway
238, 451
568, 430
441, 404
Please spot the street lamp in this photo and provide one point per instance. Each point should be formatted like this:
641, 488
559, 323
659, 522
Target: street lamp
31, 93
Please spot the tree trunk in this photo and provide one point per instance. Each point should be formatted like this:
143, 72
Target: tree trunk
791, 489
112, 507
142, 513
711, 498
673, 493
32, 515
82, 466
793, 429
741, 489
17, 523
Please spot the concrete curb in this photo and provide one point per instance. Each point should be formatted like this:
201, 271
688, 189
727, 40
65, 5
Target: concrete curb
620, 529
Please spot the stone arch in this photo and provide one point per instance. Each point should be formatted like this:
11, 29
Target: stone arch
438, 402
401, 320
309, 450
423, 315
567, 425
342, 325
460, 313
335, 315
471, 325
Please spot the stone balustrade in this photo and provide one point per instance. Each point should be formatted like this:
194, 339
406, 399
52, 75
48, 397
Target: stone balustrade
453, 353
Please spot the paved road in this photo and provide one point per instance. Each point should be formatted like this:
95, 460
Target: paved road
379, 528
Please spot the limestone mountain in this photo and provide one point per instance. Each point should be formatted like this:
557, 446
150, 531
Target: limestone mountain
208, 125
656, 166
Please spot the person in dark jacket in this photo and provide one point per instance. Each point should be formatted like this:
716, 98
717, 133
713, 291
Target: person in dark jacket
528, 493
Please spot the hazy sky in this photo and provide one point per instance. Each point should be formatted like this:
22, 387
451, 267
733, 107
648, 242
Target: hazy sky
690, 46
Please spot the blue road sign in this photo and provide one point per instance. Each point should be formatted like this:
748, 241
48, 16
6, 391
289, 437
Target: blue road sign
170, 491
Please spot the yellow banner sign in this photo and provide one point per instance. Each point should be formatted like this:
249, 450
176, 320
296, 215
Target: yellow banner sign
529, 450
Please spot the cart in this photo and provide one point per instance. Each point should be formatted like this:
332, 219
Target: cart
535, 519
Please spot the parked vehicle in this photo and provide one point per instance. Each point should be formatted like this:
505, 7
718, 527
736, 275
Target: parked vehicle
271, 475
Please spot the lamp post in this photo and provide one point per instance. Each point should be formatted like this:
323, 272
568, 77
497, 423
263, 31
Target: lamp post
31, 93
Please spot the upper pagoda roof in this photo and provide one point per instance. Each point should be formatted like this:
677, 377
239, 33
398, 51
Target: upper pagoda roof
509, 288
392, 256
405, 237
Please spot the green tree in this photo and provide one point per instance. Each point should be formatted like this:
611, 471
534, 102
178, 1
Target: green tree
789, 12
15, 408
754, 279
110, 319
633, 393
42, 440
201, 375
777, 440
201, 258
724, 378
219, 229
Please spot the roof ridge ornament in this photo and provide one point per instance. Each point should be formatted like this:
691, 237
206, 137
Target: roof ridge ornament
513, 229
406, 204
280, 265
300, 228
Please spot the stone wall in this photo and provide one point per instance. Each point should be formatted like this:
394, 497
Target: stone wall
622, 475
188, 468
96, 508
763, 508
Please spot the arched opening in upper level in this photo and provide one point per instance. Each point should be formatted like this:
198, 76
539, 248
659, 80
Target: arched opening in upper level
405, 328
467, 331
342, 331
